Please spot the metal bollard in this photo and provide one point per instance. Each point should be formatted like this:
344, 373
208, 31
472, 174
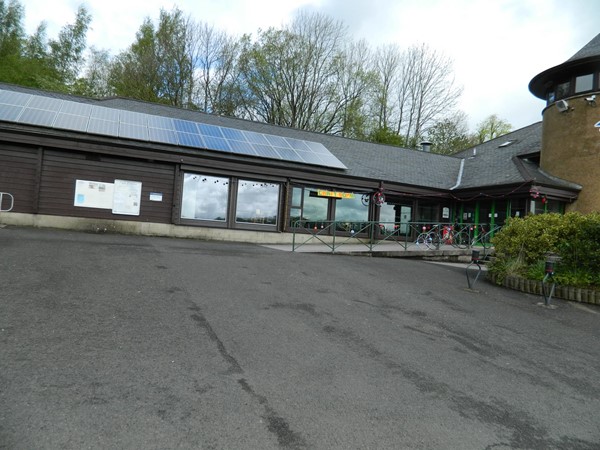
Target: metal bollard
549, 277
474, 260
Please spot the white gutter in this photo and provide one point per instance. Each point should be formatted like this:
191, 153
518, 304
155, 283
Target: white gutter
460, 174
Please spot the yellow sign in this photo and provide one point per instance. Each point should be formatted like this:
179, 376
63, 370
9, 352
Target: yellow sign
334, 194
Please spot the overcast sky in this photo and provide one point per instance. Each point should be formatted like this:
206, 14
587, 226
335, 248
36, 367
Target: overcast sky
497, 46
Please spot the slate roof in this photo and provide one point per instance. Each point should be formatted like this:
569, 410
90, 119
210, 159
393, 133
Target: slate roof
363, 159
508, 160
492, 165
586, 59
591, 49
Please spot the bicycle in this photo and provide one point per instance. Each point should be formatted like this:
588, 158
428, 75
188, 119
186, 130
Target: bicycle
447, 235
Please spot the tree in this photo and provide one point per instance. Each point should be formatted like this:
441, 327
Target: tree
32, 60
356, 83
67, 52
214, 56
96, 80
450, 135
491, 128
386, 136
11, 28
134, 72
415, 89
292, 76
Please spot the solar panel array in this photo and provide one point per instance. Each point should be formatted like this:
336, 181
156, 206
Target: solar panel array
89, 118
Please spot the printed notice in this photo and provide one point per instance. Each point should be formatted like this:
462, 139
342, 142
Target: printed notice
127, 197
93, 194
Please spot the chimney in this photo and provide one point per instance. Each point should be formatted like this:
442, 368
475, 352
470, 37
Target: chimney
426, 146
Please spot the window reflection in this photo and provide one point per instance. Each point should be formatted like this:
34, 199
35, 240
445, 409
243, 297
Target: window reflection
314, 208
351, 214
257, 202
351, 210
584, 83
204, 197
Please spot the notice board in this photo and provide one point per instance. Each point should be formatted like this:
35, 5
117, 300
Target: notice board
127, 197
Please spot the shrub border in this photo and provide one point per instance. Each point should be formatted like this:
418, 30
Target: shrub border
580, 295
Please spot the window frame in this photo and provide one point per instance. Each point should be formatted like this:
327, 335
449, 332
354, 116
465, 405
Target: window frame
230, 221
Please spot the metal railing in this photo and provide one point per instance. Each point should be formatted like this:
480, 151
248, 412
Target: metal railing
11, 202
370, 234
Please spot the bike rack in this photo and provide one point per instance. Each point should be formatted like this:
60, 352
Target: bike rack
474, 261
10, 197
548, 283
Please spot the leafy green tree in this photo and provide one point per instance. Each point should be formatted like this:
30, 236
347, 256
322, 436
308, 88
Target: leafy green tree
11, 28
134, 72
450, 135
294, 76
386, 136
491, 128
67, 51
31, 60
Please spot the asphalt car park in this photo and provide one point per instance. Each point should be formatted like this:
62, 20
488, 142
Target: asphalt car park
112, 341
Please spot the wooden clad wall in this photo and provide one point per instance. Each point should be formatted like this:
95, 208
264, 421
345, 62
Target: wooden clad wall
61, 169
18, 174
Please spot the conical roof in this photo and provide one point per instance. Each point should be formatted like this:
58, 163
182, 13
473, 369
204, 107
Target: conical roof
586, 60
591, 49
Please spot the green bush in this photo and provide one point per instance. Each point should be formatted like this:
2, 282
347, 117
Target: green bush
524, 243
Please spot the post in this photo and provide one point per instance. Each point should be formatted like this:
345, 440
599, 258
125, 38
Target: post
549, 277
474, 260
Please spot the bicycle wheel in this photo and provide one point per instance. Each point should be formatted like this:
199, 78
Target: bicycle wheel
461, 240
365, 199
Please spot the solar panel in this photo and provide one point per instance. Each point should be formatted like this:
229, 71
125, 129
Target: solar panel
241, 147
256, 138
71, 122
128, 130
85, 117
37, 117
276, 141
185, 126
210, 130
106, 127
100, 112
10, 113
190, 139
46, 103
76, 109
14, 98
216, 143
162, 135
233, 134
164, 123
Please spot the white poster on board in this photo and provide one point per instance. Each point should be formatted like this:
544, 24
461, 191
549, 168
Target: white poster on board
93, 194
127, 197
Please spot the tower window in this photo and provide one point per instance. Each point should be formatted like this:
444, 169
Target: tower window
584, 83
562, 90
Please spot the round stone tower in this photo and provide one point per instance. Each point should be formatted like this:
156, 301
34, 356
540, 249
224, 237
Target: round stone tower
571, 123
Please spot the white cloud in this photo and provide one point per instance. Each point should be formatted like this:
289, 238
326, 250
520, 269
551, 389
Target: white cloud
497, 47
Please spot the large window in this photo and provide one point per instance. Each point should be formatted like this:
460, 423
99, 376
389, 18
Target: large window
314, 209
351, 214
204, 197
257, 202
584, 83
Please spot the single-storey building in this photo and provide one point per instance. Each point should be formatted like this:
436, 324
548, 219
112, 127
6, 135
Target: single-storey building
131, 166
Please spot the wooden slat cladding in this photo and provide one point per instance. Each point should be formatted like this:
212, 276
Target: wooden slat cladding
18, 175
60, 171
